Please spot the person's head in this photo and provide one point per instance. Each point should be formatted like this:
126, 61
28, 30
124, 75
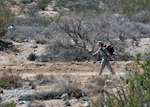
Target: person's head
100, 44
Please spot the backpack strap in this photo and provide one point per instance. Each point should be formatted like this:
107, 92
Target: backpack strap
104, 52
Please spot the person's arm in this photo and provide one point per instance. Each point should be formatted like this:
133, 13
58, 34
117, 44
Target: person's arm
95, 53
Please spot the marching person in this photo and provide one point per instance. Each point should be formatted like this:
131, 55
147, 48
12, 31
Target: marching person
105, 55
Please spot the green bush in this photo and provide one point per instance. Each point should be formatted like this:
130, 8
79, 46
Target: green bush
137, 91
12, 104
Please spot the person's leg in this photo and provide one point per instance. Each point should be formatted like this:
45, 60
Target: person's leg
110, 68
102, 66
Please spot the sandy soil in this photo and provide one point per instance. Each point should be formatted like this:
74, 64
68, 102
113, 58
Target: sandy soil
17, 63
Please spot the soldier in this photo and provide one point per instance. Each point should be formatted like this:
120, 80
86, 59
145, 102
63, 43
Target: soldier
105, 55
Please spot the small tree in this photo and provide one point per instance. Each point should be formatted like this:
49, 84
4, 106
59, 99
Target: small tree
86, 29
5, 19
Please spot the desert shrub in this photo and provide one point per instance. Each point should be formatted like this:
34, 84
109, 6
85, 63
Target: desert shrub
133, 7
40, 39
127, 7
86, 5
60, 52
95, 85
5, 18
35, 104
131, 92
42, 96
65, 84
26, 1
33, 21
32, 27
43, 79
10, 80
124, 57
19, 38
70, 86
5, 45
78, 5
124, 29
44, 58
28, 31
32, 57
43, 3
85, 30
11, 104
75, 54
142, 17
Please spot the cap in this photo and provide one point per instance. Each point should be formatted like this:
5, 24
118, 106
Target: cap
100, 42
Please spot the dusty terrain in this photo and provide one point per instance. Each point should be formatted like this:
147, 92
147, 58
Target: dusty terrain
17, 63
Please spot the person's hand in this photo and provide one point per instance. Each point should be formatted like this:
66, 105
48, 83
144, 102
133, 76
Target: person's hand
110, 58
93, 55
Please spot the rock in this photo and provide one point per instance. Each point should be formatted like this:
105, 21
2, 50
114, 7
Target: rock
86, 104
144, 41
64, 96
34, 46
22, 102
67, 103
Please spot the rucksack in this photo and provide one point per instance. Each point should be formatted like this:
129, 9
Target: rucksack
110, 48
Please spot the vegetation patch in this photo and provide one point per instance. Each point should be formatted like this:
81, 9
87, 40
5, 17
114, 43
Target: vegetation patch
10, 80
130, 92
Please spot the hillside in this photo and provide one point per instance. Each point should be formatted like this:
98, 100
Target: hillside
39, 77
60, 28
46, 51
18, 62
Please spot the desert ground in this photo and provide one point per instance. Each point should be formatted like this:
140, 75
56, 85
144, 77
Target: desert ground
29, 83
17, 63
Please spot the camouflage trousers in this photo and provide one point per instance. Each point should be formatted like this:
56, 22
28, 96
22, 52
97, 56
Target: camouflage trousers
105, 62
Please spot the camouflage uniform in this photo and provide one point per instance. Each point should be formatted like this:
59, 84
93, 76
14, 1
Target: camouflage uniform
105, 59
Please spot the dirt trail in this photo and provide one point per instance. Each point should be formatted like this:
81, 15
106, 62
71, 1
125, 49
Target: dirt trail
30, 69
79, 72
17, 63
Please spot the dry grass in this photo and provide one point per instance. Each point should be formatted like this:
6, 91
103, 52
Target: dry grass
41, 40
10, 80
20, 38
